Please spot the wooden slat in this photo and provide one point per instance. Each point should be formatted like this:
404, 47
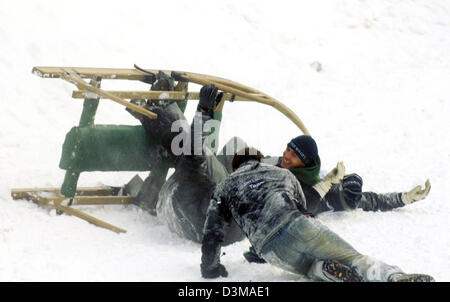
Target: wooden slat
103, 200
104, 73
88, 200
85, 196
163, 95
155, 95
55, 201
118, 74
80, 190
87, 217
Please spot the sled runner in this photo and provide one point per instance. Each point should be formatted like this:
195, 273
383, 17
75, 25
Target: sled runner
91, 147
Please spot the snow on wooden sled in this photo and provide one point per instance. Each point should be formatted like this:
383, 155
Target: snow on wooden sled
128, 147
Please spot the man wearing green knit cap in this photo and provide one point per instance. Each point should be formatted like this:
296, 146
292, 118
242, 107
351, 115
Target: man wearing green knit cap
335, 191
305, 164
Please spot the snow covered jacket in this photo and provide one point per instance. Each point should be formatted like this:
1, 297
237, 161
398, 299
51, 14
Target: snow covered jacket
314, 203
260, 198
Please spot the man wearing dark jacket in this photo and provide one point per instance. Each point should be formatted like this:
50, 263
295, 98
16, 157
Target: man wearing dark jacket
336, 191
183, 198
269, 206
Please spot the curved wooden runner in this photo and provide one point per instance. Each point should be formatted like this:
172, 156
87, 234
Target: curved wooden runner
242, 92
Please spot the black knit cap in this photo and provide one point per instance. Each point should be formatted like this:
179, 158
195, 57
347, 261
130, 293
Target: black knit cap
306, 149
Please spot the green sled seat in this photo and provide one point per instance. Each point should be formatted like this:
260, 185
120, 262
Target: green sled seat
108, 148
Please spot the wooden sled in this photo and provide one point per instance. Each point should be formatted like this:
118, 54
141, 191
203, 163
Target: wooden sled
128, 147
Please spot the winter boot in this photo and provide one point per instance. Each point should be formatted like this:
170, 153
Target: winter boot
333, 271
163, 83
410, 278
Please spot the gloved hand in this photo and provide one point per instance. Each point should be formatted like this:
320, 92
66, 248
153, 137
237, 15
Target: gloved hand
209, 98
336, 175
416, 193
252, 257
333, 177
216, 272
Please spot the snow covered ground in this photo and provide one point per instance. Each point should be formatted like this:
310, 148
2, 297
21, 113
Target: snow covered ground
380, 104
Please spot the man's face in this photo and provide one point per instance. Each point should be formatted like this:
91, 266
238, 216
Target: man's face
291, 160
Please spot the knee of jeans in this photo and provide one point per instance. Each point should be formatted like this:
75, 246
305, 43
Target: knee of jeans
287, 258
303, 230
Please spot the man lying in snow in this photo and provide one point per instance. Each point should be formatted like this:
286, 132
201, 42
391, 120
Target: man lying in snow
184, 197
268, 204
337, 191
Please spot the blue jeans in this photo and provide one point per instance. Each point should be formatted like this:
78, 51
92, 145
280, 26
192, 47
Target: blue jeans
302, 242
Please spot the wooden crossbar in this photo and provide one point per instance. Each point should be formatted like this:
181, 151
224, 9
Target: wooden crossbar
19, 193
85, 196
155, 95
104, 73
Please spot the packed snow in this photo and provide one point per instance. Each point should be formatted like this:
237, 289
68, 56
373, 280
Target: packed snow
370, 80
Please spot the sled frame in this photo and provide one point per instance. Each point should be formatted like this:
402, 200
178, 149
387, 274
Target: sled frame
92, 93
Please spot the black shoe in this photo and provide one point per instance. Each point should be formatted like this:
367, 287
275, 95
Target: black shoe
252, 257
337, 272
412, 278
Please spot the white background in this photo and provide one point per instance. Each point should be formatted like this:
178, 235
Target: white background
380, 104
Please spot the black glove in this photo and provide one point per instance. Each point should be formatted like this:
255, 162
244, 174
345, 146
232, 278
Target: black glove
253, 257
209, 98
218, 271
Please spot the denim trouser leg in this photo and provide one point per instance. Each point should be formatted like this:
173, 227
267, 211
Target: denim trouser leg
303, 241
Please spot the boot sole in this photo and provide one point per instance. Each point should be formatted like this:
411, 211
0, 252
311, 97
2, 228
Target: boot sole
415, 278
340, 273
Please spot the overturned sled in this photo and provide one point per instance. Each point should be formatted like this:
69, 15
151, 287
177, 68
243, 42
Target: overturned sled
91, 147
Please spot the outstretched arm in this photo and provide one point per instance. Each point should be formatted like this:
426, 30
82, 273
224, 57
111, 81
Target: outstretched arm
371, 201
206, 123
217, 221
416, 194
